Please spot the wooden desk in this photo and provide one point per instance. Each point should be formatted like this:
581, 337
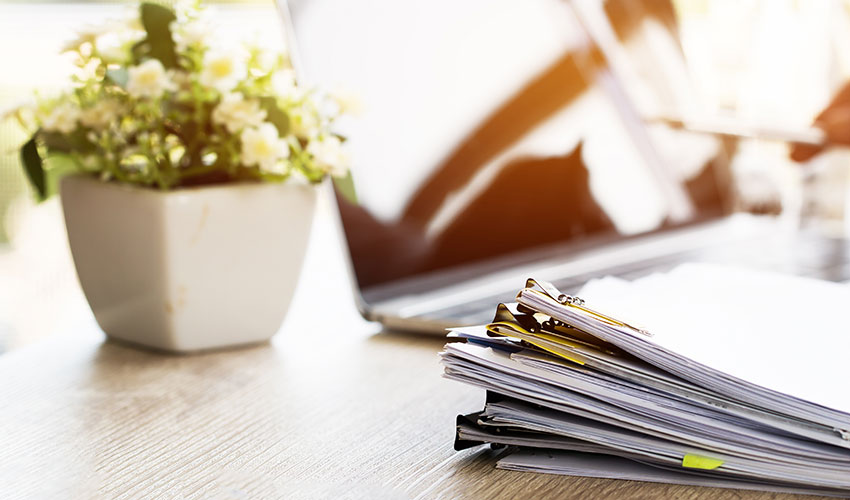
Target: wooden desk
330, 409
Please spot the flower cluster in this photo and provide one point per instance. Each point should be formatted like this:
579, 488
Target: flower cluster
155, 102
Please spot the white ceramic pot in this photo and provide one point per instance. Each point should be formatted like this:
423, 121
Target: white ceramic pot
189, 269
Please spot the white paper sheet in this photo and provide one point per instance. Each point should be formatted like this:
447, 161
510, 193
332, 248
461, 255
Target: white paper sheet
785, 333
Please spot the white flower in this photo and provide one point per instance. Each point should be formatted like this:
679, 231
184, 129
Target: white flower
187, 10
347, 101
181, 7
110, 48
327, 107
263, 147
127, 29
223, 70
148, 79
195, 32
113, 47
62, 118
329, 155
305, 121
283, 83
266, 60
87, 35
101, 114
235, 113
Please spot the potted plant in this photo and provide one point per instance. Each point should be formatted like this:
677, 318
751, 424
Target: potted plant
194, 171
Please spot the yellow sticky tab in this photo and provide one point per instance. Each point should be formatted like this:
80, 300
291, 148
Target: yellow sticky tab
698, 462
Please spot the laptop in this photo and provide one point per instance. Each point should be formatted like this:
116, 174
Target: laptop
498, 140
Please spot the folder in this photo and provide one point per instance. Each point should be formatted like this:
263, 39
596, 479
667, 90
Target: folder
654, 374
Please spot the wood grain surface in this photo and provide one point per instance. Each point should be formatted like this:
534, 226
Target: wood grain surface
332, 408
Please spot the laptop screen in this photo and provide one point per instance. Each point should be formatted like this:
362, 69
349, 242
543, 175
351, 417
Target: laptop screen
487, 130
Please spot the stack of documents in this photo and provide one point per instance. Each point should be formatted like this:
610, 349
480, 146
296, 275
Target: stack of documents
704, 375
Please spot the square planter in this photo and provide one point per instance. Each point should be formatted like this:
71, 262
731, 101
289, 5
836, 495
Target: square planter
188, 269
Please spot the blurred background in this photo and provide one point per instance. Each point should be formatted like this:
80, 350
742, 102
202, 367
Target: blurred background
774, 62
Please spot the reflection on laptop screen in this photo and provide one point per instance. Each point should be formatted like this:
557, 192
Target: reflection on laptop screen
491, 129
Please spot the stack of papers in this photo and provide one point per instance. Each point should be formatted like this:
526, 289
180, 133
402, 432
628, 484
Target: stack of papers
704, 375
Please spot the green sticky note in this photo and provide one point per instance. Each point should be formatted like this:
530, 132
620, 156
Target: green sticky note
698, 462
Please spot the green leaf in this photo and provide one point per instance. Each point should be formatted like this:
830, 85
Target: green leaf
118, 76
66, 143
139, 51
345, 187
34, 168
159, 44
275, 115
310, 172
58, 166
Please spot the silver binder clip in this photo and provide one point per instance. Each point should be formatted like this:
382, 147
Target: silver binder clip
553, 293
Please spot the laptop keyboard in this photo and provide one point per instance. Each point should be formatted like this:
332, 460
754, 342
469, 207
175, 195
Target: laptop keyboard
808, 255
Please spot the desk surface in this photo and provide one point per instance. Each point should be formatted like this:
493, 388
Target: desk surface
332, 408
